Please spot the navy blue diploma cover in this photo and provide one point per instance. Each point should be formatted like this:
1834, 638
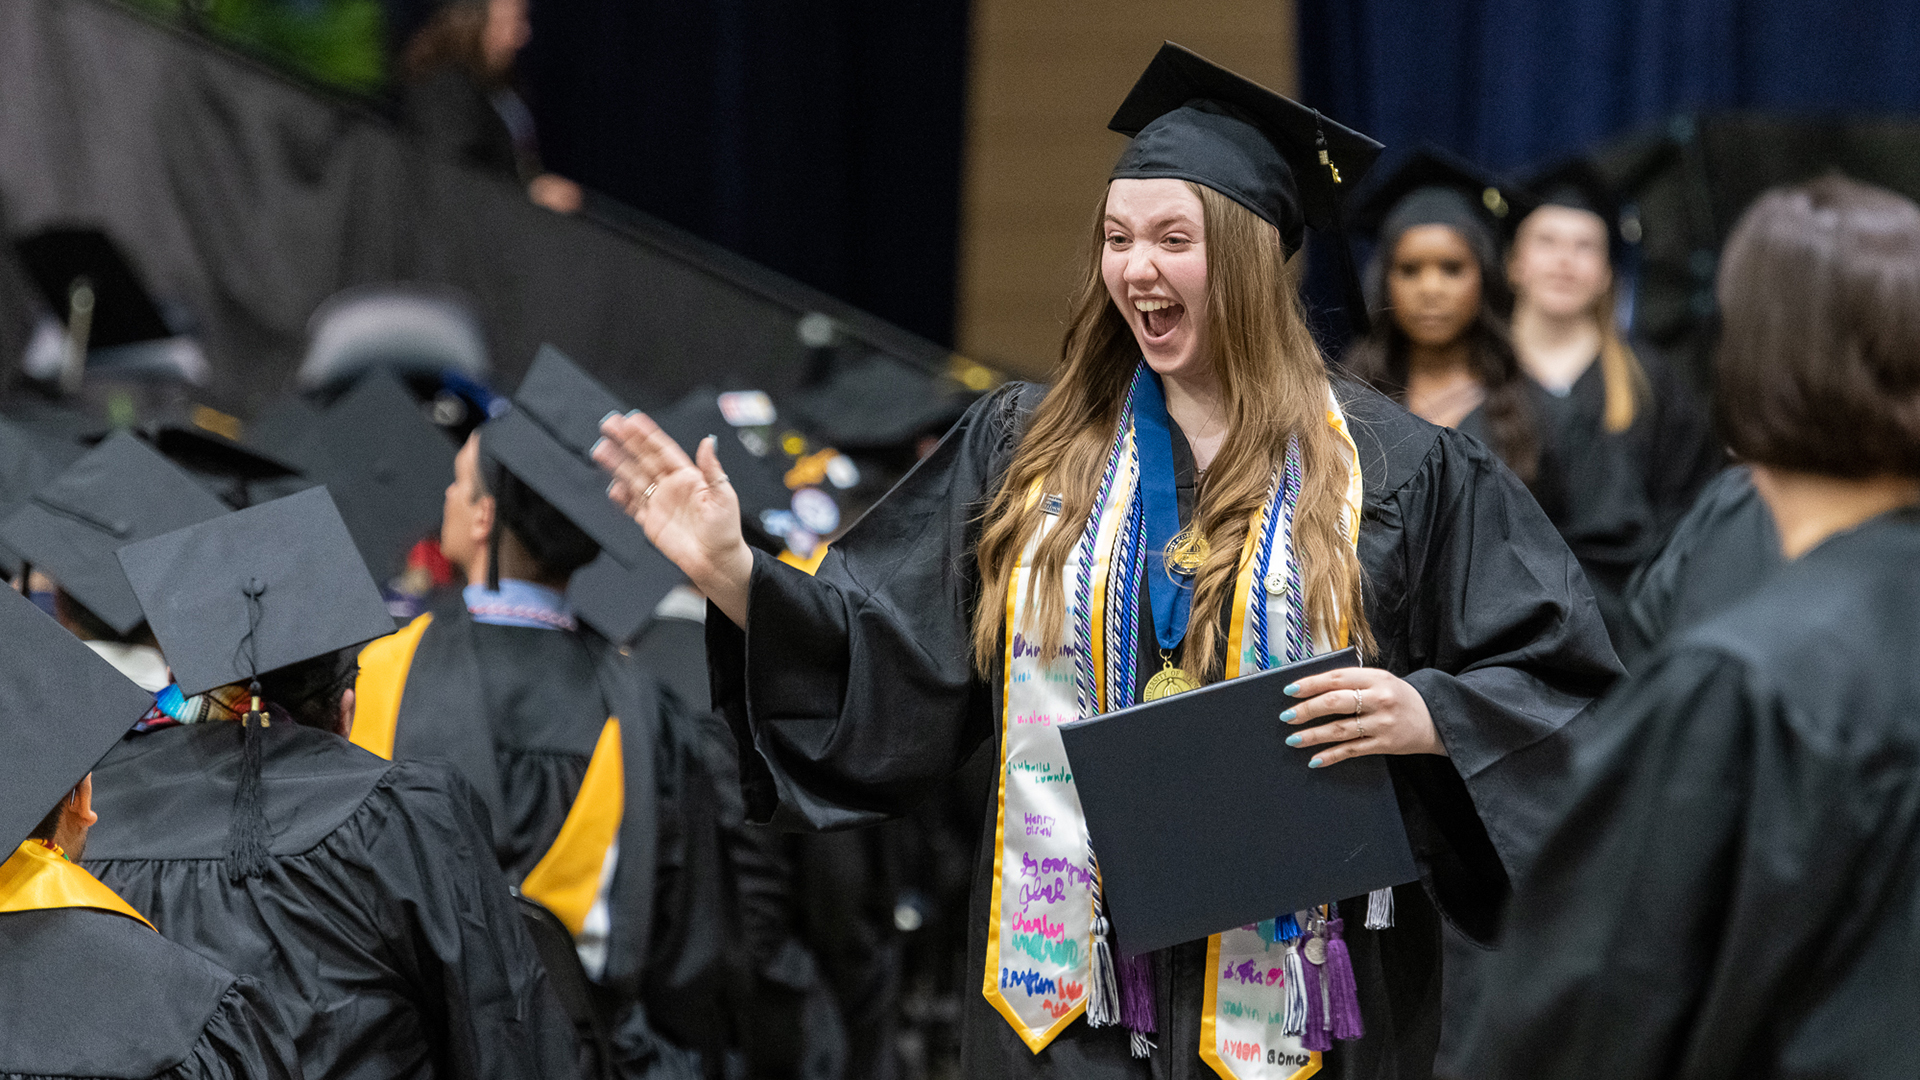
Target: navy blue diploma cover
1204, 819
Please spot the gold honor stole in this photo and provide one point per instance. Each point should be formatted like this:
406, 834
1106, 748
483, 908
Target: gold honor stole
39, 878
568, 878
1039, 940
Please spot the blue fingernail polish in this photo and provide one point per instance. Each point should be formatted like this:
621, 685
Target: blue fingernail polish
1293, 740
611, 413
1287, 716
597, 444
1314, 764
1291, 689
610, 484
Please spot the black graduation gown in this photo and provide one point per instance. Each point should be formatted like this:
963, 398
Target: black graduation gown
383, 928
852, 693
1733, 891
1615, 496
1725, 547
545, 695
88, 993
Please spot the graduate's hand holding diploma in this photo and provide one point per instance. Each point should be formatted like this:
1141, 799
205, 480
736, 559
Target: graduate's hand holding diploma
1376, 713
686, 506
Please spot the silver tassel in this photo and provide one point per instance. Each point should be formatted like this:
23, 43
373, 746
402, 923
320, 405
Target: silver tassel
1380, 909
1103, 1003
1141, 1046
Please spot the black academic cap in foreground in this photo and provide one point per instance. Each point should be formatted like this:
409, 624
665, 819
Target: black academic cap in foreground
118, 493
386, 465
1436, 186
262, 588
123, 313
617, 600
1192, 119
544, 440
65, 708
1204, 819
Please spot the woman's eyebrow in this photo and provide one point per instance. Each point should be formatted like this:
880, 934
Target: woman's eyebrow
1170, 219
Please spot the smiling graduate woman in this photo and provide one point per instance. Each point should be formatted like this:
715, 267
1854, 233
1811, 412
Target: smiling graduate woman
1194, 482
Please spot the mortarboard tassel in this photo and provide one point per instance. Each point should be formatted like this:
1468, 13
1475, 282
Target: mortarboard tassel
246, 833
1380, 909
247, 830
1343, 996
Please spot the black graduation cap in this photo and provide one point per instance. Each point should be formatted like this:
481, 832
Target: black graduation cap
118, 493
1576, 183
386, 464
66, 707
1436, 186
542, 440
1192, 119
28, 459
239, 475
617, 600
59, 258
258, 590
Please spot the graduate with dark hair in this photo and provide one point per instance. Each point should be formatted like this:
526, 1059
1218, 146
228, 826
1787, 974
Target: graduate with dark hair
87, 988
1195, 484
240, 819
1733, 888
603, 809
1439, 343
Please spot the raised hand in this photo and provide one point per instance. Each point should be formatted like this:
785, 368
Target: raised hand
686, 506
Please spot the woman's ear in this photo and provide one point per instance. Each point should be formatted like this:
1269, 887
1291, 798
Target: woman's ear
343, 724
482, 522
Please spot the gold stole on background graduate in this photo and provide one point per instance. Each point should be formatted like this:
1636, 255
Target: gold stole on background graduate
39, 878
1039, 938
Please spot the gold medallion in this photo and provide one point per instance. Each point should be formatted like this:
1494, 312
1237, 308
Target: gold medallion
1187, 552
1168, 681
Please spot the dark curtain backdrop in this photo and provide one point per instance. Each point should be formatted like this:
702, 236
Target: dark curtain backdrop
1514, 82
1518, 83
820, 137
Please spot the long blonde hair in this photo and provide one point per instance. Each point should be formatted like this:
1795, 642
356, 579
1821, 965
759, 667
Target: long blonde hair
1274, 384
1621, 374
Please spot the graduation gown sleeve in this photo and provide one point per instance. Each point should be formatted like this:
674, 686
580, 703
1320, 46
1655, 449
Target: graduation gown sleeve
1728, 858
852, 691
1721, 550
240, 1041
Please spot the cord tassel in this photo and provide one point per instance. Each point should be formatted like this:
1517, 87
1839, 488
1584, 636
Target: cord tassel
1343, 1004
1140, 1045
1103, 1001
1136, 993
1287, 928
1294, 1019
1380, 909
1316, 1037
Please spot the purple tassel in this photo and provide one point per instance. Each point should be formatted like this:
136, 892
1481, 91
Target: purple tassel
1136, 993
1316, 1037
1343, 997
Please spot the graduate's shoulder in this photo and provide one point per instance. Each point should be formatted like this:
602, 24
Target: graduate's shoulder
1832, 632
65, 977
1398, 450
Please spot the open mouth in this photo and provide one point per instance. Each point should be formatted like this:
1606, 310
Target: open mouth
1161, 317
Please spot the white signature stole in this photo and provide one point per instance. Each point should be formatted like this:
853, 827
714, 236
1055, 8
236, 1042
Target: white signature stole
1040, 940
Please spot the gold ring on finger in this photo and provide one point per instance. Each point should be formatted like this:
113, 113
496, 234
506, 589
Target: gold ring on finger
648, 494
1359, 704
